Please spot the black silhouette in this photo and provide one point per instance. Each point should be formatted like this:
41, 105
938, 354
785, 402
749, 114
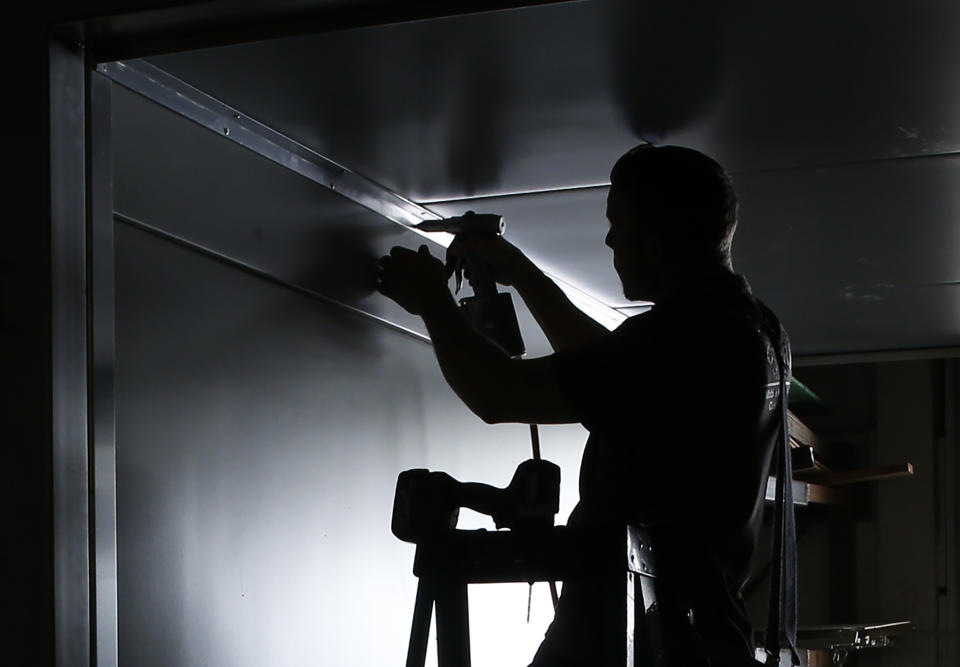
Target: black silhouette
683, 403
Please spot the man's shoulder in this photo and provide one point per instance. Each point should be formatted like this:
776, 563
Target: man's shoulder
727, 312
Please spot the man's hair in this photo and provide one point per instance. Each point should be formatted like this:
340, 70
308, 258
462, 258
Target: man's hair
692, 204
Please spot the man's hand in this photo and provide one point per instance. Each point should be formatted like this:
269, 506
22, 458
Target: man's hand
415, 280
564, 324
508, 263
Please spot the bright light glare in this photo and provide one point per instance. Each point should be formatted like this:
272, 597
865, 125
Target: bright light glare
599, 311
589, 304
499, 633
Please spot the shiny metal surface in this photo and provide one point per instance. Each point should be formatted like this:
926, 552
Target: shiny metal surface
102, 361
69, 320
240, 405
233, 263
184, 100
546, 98
179, 177
259, 436
549, 96
247, 413
233, 202
801, 492
208, 112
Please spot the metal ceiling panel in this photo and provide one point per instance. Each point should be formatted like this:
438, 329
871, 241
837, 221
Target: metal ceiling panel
548, 97
857, 257
854, 257
856, 251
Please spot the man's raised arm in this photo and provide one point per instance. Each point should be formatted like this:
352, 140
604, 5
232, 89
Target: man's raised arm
495, 387
564, 324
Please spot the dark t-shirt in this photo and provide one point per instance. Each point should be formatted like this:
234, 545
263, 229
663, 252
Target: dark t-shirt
681, 406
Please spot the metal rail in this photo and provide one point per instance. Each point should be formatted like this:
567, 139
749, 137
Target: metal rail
195, 105
183, 99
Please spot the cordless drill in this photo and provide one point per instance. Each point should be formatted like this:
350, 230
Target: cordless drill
490, 312
428, 503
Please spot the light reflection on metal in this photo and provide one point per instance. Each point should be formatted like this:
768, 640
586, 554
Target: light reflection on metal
103, 359
801, 492
519, 193
69, 319
185, 100
609, 317
243, 266
188, 102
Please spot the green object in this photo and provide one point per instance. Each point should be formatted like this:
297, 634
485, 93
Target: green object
802, 397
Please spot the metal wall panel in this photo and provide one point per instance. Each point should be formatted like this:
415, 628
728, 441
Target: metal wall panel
260, 431
259, 435
549, 96
180, 178
175, 175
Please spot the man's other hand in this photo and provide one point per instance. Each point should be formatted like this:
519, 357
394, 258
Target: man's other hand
414, 280
508, 263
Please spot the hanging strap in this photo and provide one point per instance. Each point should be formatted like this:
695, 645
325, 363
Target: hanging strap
782, 609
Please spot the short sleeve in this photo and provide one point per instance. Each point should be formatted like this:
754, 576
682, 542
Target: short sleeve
611, 383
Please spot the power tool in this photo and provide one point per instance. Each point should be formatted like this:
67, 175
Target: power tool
428, 502
490, 312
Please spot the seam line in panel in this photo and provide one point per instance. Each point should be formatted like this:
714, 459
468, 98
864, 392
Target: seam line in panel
260, 273
744, 172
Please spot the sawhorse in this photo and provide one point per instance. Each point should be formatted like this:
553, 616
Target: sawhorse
619, 559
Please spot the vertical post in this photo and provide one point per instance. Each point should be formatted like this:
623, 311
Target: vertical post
420, 632
643, 639
615, 626
901, 558
634, 605
102, 359
453, 623
948, 534
69, 356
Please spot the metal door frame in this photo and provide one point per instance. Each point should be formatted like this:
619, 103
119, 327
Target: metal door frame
82, 314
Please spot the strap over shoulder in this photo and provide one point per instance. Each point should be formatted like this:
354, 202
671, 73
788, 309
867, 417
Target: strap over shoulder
782, 608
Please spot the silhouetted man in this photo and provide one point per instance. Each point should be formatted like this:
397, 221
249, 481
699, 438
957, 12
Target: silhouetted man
680, 401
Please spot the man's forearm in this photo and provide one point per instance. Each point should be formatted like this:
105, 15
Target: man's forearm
495, 387
564, 324
471, 365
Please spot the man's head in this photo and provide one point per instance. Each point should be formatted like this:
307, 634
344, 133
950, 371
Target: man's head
669, 208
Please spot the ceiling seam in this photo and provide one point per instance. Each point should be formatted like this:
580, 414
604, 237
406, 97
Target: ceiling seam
746, 172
